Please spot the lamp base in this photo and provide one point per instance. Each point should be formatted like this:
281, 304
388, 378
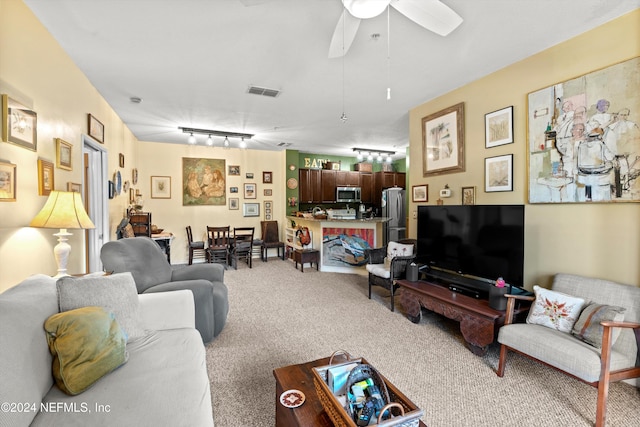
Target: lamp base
61, 252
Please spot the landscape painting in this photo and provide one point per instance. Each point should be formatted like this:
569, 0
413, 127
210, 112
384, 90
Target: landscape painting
584, 138
203, 182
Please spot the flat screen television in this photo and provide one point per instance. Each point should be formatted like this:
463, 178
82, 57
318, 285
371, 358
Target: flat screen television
470, 246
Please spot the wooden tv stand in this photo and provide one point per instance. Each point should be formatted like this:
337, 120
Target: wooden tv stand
479, 323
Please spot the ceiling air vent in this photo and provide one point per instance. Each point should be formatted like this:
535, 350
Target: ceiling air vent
284, 144
257, 90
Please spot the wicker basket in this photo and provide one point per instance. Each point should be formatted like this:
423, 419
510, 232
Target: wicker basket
409, 413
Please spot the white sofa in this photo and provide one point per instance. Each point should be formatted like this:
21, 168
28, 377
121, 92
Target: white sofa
164, 381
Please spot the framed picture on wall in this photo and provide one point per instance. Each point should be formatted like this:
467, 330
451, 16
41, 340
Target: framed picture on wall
498, 173
267, 177
45, 177
234, 203
234, 170
443, 141
160, 187
251, 209
468, 195
7, 182
74, 186
498, 127
63, 154
96, 128
19, 124
250, 191
420, 193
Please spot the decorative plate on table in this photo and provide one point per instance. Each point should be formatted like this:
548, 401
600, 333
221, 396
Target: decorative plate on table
292, 398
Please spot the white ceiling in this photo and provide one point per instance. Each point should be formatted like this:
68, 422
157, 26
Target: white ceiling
192, 61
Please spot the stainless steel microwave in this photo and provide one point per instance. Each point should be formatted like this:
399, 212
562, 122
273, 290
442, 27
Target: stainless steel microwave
348, 194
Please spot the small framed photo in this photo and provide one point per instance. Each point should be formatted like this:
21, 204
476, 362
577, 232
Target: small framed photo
268, 206
112, 189
45, 177
251, 209
7, 182
249, 175
160, 187
250, 191
234, 203
132, 196
498, 173
468, 195
96, 129
74, 186
121, 160
267, 177
134, 176
233, 189
268, 192
234, 170
420, 193
63, 154
498, 127
19, 124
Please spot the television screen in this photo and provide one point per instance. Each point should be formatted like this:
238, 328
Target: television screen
482, 241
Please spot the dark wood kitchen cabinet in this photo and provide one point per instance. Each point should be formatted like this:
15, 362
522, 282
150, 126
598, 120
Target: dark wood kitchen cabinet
366, 186
328, 186
347, 179
382, 180
310, 186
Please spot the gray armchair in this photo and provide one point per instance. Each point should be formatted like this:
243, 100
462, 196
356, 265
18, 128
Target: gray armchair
388, 264
151, 272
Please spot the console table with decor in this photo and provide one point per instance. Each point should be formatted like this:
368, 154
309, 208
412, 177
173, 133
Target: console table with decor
311, 413
479, 323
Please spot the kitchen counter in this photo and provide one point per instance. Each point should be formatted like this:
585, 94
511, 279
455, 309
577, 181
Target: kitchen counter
341, 242
379, 219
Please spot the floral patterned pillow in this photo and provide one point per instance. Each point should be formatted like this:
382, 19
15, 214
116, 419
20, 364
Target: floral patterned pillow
554, 310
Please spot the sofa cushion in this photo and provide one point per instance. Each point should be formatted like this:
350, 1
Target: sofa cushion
25, 371
588, 327
554, 309
117, 293
164, 383
86, 344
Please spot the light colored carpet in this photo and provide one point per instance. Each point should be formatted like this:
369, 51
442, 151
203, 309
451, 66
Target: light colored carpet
280, 316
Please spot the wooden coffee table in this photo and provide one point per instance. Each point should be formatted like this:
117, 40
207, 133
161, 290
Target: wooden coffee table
311, 413
479, 323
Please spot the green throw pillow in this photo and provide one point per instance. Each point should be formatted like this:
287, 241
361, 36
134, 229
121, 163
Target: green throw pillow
588, 327
86, 344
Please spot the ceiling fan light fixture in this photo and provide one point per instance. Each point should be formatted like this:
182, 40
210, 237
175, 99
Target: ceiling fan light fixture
365, 9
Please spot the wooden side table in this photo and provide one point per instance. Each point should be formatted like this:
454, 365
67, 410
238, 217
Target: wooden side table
306, 255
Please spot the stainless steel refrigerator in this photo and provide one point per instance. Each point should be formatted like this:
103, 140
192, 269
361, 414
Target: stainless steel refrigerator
394, 208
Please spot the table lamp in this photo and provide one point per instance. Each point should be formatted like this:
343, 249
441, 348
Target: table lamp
63, 210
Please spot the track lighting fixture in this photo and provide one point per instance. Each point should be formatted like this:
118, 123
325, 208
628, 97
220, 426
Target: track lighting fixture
212, 133
243, 143
379, 155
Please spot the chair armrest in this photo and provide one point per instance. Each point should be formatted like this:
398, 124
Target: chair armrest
511, 305
375, 255
399, 265
612, 324
167, 310
210, 272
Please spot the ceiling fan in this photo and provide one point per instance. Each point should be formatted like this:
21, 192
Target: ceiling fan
431, 14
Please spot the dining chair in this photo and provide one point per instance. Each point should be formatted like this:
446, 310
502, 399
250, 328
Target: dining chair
195, 248
219, 244
270, 239
242, 245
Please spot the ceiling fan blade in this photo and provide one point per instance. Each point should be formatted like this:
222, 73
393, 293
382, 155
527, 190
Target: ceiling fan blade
349, 25
431, 14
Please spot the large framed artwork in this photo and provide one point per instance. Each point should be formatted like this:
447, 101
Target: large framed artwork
584, 139
443, 141
19, 124
203, 182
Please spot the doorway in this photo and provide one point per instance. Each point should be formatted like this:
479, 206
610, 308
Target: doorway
96, 199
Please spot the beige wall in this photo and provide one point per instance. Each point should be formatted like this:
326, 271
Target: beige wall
170, 214
37, 72
600, 240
